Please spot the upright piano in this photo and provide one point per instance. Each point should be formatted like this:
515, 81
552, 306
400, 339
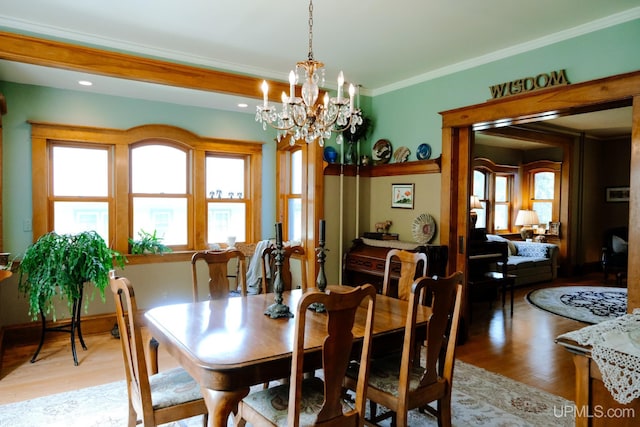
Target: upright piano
365, 261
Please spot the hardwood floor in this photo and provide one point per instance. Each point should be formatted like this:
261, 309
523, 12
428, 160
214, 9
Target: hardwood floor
521, 348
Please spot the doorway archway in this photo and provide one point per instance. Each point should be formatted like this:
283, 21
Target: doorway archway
457, 138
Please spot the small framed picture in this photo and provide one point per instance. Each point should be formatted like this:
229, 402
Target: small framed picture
617, 194
554, 229
402, 196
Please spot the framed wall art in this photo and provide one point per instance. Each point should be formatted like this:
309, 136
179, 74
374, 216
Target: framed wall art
554, 229
617, 194
402, 196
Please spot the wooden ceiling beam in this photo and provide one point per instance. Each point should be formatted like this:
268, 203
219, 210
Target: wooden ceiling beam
50, 53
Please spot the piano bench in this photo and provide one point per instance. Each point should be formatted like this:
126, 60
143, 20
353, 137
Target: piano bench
496, 279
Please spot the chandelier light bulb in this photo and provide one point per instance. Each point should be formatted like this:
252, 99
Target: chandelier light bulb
292, 87
352, 92
265, 93
340, 83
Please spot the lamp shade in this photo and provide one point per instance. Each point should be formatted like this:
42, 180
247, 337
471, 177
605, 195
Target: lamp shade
527, 217
474, 203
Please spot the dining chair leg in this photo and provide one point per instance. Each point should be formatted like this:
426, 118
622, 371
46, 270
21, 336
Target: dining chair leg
373, 410
444, 411
238, 421
401, 418
133, 417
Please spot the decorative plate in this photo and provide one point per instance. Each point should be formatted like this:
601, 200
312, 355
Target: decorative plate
424, 152
423, 229
330, 154
381, 151
401, 155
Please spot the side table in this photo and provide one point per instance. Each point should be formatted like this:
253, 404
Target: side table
607, 384
506, 281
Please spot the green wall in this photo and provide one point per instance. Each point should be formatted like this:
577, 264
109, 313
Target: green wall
409, 116
36, 103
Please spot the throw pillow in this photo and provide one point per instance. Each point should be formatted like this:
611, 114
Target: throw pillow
618, 244
512, 246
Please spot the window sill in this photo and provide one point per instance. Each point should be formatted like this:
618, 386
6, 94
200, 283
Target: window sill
178, 256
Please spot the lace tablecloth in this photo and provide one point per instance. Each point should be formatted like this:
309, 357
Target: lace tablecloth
615, 347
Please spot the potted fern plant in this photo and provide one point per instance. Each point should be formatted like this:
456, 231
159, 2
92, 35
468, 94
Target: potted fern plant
147, 243
60, 264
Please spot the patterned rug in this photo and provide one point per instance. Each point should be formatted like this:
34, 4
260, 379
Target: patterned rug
589, 304
480, 398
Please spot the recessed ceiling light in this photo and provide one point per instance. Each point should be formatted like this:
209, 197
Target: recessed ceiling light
85, 83
243, 105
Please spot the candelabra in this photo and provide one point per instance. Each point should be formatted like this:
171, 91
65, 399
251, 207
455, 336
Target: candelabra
321, 280
278, 309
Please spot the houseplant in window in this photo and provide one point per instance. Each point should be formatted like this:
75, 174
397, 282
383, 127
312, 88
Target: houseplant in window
147, 243
61, 265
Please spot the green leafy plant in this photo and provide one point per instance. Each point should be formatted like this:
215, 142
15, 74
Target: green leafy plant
362, 131
60, 264
147, 243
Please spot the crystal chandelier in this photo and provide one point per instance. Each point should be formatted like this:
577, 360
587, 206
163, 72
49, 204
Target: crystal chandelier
305, 118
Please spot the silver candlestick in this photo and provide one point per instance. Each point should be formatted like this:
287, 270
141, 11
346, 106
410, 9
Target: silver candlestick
278, 309
321, 280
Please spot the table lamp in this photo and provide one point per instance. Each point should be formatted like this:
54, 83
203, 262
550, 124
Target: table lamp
474, 203
527, 218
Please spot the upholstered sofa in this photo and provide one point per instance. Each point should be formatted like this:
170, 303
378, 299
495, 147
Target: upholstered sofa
530, 262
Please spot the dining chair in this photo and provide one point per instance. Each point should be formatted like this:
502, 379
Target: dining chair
295, 252
398, 384
412, 265
314, 401
218, 265
154, 397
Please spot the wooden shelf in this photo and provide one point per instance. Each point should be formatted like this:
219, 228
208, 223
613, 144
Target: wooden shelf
389, 169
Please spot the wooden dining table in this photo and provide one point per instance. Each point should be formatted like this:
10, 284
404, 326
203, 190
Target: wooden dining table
229, 345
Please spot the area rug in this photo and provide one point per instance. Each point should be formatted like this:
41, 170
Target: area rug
589, 304
480, 398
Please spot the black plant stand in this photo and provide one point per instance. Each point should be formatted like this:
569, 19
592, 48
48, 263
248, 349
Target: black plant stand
72, 328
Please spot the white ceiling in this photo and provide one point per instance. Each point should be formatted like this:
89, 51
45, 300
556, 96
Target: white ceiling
604, 125
380, 45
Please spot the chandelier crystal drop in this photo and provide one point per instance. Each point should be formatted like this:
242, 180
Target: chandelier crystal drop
304, 117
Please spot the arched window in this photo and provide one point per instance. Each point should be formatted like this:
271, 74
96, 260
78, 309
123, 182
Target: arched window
160, 192
191, 191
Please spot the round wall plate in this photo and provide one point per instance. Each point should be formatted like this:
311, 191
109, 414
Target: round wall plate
381, 152
401, 155
423, 229
423, 152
